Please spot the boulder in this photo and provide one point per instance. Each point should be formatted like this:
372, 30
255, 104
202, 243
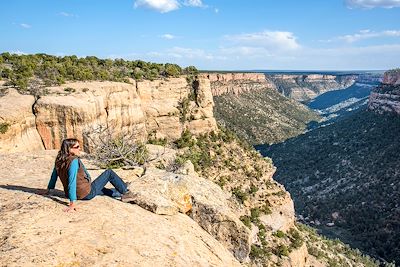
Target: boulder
164, 192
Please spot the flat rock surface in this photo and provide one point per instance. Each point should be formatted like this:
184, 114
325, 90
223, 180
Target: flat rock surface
35, 231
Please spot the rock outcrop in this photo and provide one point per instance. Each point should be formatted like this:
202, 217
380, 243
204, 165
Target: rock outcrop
35, 231
392, 77
386, 97
77, 108
168, 193
303, 88
18, 123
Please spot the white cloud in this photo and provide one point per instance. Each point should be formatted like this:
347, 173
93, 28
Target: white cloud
162, 6
165, 6
24, 25
168, 36
194, 3
269, 40
65, 14
216, 10
368, 34
238, 51
372, 3
18, 52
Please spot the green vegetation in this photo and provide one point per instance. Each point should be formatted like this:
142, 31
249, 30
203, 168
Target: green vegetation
183, 107
279, 234
351, 169
26, 71
262, 115
4, 127
334, 252
152, 139
69, 90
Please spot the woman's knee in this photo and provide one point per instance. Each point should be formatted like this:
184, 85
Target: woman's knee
109, 171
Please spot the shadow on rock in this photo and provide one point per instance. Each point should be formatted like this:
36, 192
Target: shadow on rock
55, 193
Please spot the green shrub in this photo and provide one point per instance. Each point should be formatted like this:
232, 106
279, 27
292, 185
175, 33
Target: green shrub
256, 252
266, 209
186, 140
255, 214
240, 195
282, 250
246, 221
69, 90
4, 126
279, 234
152, 139
183, 107
253, 189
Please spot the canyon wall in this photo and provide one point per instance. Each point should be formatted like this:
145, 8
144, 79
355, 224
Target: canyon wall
236, 83
298, 87
386, 97
250, 105
304, 88
76, 109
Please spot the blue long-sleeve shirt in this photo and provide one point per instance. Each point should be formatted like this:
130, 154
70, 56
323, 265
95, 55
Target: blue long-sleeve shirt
72, 176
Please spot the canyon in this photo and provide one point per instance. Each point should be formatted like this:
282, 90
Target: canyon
240, 219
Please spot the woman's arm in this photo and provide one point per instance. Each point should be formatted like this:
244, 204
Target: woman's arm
72, 176
53, 179
51, 184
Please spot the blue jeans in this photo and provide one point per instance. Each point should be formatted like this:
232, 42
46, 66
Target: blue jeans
98, 189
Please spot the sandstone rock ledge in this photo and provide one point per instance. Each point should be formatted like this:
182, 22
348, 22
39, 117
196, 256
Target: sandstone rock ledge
34, 230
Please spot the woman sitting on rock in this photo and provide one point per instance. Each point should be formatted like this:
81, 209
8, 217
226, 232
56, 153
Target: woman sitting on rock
76, 180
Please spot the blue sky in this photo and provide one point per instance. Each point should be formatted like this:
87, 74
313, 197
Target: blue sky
211, 34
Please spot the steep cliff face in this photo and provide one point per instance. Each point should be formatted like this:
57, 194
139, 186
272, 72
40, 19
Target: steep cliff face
249, 104
386, 97
303, 88
237, 83
161, 107
18, 126
392, 77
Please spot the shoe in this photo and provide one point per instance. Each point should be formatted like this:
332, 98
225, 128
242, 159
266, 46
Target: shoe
129, 197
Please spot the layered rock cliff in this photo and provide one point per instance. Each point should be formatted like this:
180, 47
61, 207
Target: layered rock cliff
304, 88
160, 107
237, 83
386, 97
250, 104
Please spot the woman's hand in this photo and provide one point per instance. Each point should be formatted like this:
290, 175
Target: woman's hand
71, 207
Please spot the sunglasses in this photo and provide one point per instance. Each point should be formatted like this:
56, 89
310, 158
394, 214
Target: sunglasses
76, 147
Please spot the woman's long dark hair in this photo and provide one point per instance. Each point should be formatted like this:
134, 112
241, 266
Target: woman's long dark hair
64, 150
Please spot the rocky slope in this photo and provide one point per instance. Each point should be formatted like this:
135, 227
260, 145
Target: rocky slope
386, 97
344, 180
304, 88
250, 105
